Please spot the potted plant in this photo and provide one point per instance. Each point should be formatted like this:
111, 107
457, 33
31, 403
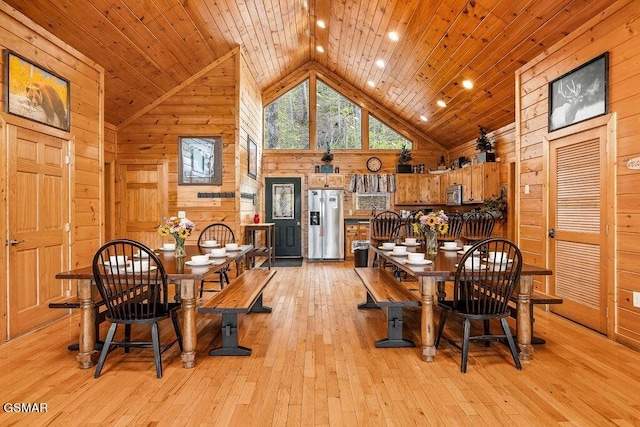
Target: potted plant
404, 157
497, 205
327, 158
485, 146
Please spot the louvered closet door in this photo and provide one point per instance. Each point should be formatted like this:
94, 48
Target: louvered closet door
577, 213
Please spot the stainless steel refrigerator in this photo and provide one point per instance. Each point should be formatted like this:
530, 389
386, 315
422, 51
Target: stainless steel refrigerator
326, 225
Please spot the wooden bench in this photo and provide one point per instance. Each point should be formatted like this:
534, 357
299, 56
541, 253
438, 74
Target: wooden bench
384, 290
242, 295
99, 315
537, 297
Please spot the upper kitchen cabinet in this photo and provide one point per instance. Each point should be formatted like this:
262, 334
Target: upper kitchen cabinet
417, 189
479, 181
326, 180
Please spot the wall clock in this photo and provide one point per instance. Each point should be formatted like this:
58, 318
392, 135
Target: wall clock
374, 164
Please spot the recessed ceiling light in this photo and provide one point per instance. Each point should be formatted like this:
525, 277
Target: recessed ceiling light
467, 84
371, 83
321, 23
394, 36
320, 49
380, 63
441, 103
423, 118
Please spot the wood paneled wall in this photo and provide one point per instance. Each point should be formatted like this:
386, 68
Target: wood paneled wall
217, 102
616, 30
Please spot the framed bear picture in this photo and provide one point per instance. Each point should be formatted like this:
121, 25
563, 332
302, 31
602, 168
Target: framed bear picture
35, 93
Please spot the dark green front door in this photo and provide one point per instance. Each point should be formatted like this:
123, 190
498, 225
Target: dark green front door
283, 206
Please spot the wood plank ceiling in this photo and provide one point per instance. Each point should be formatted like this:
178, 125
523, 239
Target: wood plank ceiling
148, 47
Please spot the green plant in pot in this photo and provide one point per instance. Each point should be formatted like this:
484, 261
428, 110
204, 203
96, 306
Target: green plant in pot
327, 158
404, 157
485, 146
497, 205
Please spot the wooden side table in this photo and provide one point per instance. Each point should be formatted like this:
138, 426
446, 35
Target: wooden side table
269, 241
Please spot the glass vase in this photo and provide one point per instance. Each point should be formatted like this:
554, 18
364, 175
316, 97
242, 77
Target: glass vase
180, 251
430, 243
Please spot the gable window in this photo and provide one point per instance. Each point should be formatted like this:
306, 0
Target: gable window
382, 137
286, 120
339, 120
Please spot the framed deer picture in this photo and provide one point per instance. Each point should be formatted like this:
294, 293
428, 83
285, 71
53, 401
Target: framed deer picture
580, 94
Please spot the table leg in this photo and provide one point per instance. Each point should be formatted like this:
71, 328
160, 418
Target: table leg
427, 328
87, 354
523, 318
189, 333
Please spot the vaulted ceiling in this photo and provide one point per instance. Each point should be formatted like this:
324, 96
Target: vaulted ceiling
148, 47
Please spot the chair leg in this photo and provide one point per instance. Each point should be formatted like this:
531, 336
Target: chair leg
156, 348
127, 336
487, 332
443, 319
512, 344
465, 345
105, 349
176, 327
201, 288
226, 279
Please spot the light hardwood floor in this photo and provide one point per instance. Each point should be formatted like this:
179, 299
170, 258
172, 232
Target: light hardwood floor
314, 363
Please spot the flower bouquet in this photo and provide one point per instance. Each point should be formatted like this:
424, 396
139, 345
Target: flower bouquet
429, 225
180, 229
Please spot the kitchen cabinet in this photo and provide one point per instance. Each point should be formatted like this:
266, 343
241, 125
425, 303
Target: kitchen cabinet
479, 181
417, 189
354, 230
326, 180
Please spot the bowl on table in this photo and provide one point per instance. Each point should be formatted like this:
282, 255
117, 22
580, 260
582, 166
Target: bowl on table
218, 252
401, 250
388, 245
120, 260
498, 257
232, 246
210, 243
450, 245
410, 241
169, 246
415, 256
199, 259
465, 248
141, 264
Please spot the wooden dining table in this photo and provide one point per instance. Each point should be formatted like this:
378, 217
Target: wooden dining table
443, 268
186, 279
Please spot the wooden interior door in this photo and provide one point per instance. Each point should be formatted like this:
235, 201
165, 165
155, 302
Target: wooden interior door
142, 201
578, 219
38, 212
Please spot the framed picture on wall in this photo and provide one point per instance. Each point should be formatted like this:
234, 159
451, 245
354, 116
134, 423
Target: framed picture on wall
580, 94
35, 93
200, 160
252, 148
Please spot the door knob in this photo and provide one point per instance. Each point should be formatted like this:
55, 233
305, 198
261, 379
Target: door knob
552, 233
14, 242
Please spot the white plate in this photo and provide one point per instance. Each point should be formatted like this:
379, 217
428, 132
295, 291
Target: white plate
418, 262
217, 256
457, 248
200, 264
165, 250
479, 267
130, 269
141, 255
410, 244
492, 262
394, 253
108, 264
385, 249
209, 246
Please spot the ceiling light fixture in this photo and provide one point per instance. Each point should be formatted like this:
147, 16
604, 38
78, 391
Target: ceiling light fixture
380, 63
423, 118
394, 36
320, 49
441, 103
371, 83
321, 23
467, 84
